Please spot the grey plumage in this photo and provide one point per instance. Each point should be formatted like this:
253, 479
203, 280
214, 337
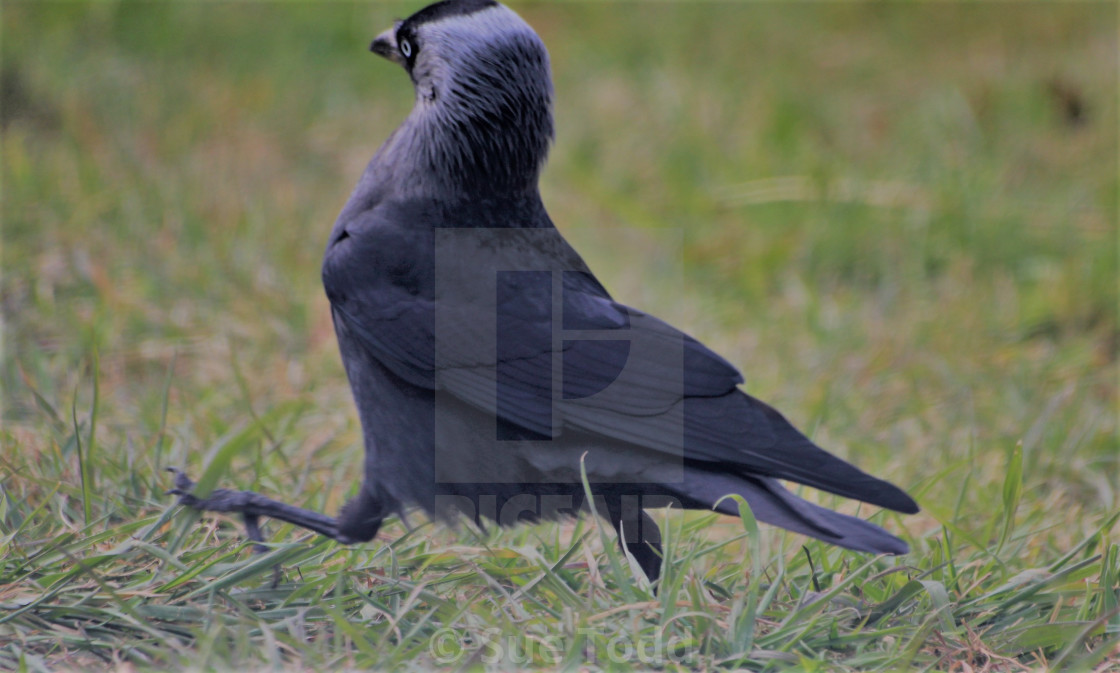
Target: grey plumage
486, 361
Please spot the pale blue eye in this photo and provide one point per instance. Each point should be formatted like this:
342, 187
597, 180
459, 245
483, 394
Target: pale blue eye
406, 48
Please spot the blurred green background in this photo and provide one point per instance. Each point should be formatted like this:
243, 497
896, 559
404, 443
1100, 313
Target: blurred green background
899, 220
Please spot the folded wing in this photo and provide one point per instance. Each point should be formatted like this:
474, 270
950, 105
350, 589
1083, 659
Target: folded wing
512, 342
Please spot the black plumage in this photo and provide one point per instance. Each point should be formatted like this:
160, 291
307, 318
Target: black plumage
488, 364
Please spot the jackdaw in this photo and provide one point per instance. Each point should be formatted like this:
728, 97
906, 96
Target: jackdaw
494, 376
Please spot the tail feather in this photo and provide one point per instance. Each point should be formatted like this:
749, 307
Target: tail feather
742, 434
773, 504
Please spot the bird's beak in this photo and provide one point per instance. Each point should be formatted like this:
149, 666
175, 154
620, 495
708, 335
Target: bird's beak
385, 45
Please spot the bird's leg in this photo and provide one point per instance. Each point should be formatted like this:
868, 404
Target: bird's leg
642, 543
647, 552
252, 506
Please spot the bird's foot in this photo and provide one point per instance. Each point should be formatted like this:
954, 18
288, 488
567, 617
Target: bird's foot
251, 506
224, 500
219, 500
182, 488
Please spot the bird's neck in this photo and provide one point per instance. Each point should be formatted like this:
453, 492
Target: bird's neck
481, 131
482, 147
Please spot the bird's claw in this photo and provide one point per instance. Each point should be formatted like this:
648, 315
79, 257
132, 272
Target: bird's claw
182, 487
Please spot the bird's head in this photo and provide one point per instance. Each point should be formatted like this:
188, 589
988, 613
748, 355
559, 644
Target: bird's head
483, 91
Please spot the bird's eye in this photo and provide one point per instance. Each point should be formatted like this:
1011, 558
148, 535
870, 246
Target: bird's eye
406, 48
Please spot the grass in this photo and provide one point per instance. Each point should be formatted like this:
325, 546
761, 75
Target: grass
899, 219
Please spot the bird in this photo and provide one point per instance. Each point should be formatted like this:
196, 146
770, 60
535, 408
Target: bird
494, 377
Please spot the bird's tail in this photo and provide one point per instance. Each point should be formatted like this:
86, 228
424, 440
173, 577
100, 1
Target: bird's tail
773, 504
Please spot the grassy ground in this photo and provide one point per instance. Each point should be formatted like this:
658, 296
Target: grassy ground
899, 220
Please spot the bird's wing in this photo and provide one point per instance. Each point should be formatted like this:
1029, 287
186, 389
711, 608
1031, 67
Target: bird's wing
550, 350
515, 354
468, 308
